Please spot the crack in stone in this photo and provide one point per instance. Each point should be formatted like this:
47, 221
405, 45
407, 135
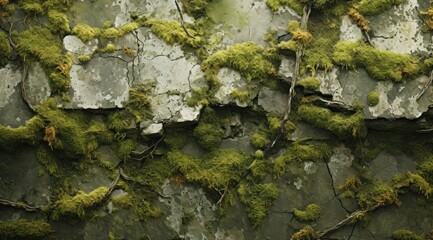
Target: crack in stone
351, 232
333, 188
384, 37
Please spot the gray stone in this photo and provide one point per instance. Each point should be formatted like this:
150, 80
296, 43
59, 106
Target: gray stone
241, 143
286, 68
14, 112
340, 165
349, 31
101, 83
37, 85
303, 131
74, 45
21, 179
231, 80
385, 166
152, 129
272, 101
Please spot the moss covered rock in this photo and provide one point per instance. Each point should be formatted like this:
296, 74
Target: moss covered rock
25, 229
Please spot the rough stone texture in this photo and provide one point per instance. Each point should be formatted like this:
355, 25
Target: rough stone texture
272, 101
74, 45
385, 166
340, 165
37, 86
231, 80
397, 100
286, 68
13, 110
20, 178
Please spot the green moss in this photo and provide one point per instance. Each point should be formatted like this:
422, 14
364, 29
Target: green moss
38, 43
373, 7
25, 229
310, 83
47, 158
10, 138
209, 132
32, 8
176, 138
404, 234
142, 208
110, 48
59, 21
257, 198
111, 33
84, 58
215, 170
75, 135
172, 32
413, 181
5, 49
137, 109
380, 194
248, 58
301, 153
288, 45
196, 8
129, 27
86, 32
373, 98
123, 148
77, 205
294, 4
380, 64
318, 55
243, 96
311, 213
260, 139
260, 167
306, 233
343, 125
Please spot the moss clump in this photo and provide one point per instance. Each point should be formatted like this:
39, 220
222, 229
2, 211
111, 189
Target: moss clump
172, 32
47, 159
209, 132
10, 138
137, 109
373, 7
359, 19
41, 45
110, 33
379, 194
404, 234
373, 98
75, 135
413, 181
5, 49
77, 205
142, 208
32, 8
250, 59
38, 43
380, 64
260, 139
288, 45
294, 4
25, 229
350, 186
258, 199
428, 17
59, 21
343, 125
243, 96
123, 148
310, 83
301, 153
215, 170
196, 8
86, 32
311, 213
176, 138
84, 58
306, 233
318, 55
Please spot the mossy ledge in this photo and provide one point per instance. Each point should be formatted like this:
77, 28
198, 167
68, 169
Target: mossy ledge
380, 64
404, 234
10, 138
311, 213
342, 125
25, 229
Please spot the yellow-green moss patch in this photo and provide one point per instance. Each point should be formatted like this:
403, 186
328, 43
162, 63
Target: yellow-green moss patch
311, 213
5, 49
77, 205
380, 64
59, 21
86, 32
10, 138
310, 83
172, 32
373, 7
257, 198
25, 229
343, 125
373, 98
